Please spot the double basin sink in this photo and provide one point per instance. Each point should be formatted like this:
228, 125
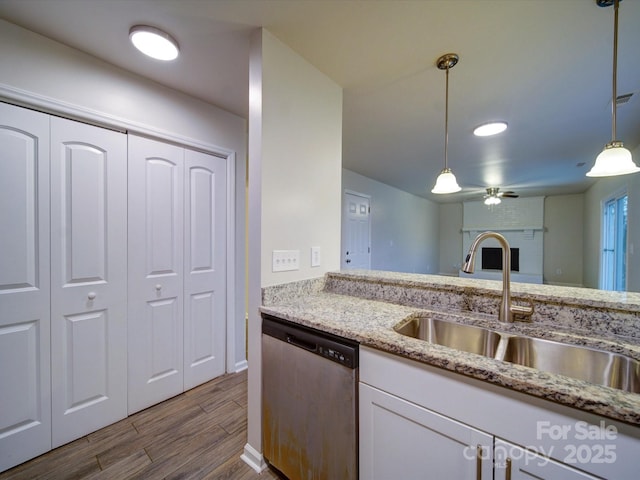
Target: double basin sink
579, 362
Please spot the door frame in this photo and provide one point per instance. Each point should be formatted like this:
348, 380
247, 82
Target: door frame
64, 109
343, 222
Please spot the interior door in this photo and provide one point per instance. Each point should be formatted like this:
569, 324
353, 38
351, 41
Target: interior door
204, 268
25, 404
88, 278
356, 232
156, 206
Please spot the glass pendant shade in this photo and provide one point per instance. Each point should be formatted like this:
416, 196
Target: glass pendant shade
446, 182
613, 160
492, 200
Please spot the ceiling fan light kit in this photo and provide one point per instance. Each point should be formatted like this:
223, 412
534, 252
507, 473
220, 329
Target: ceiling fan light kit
446, 181
614, 159
492, 200
154, 42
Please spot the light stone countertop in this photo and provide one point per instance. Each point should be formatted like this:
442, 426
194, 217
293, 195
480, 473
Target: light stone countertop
364, 306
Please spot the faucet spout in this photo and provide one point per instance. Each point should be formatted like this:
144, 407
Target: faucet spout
507, 311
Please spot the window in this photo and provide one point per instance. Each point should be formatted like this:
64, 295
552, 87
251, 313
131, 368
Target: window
613, 275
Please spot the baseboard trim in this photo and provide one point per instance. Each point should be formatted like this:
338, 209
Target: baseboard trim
240, 366
253, 458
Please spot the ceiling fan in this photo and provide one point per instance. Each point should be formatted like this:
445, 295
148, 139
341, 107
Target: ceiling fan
494, 195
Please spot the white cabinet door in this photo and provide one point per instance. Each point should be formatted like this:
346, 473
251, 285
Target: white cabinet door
204, 268
156, 206
515, 463
25, 404
88, 278
399, 439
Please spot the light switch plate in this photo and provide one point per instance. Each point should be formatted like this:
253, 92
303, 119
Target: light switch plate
315, 256
285, 260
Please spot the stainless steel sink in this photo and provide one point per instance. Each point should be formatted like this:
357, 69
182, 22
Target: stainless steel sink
468, 338
583, 363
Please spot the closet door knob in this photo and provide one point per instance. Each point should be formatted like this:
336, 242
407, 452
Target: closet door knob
158, 287
91, 295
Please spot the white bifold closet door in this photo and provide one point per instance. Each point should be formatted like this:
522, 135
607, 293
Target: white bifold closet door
88, 278
177, 233
25, 382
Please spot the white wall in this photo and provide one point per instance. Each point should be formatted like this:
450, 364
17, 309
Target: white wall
404, 227
35, 67
295, 145
601, 190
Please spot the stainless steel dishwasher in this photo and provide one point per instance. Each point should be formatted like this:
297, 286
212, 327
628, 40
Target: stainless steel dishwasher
309, 402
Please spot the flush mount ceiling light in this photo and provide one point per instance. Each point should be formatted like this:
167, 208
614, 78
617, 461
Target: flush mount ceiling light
614, 159
153, 42
488, 129
446, 181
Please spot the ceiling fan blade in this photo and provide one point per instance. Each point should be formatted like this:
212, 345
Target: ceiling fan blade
509, 195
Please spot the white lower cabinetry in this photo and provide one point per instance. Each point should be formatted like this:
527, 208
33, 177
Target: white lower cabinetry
515, 463
399, 439
419, 421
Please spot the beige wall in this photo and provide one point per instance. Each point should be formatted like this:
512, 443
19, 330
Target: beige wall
563, 239
450, 233
295, 166
301, 162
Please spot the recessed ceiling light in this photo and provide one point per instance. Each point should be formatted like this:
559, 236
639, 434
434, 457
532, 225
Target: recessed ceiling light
488, 129
154, 42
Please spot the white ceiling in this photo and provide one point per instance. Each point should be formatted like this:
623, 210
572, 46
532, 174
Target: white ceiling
543, 66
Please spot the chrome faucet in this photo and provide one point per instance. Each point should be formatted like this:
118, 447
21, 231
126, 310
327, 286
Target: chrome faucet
507, 311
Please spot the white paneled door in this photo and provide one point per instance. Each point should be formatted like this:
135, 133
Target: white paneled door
177, 233
88, 278
25, 404
356, 232
156, 226
204, 268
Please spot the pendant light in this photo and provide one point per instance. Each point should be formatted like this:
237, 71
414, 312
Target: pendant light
446, 181
614, 159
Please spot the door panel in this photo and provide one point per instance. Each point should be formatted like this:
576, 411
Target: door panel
84, 212
356, 230
156, 205
25, 402
88, 278
205, 268
162, 323
85, 341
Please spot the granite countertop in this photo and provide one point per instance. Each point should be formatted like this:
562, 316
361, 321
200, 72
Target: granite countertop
326, 307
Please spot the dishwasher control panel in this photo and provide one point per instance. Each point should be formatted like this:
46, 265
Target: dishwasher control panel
345, 358
331, 347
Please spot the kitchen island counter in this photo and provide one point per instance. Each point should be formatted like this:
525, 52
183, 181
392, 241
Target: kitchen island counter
365, 306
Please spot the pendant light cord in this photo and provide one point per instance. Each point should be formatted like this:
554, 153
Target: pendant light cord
615, 71
446, 120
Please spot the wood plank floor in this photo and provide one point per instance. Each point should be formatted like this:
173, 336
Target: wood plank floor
197, 435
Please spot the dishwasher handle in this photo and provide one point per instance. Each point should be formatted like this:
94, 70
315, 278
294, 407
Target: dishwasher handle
299, 342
